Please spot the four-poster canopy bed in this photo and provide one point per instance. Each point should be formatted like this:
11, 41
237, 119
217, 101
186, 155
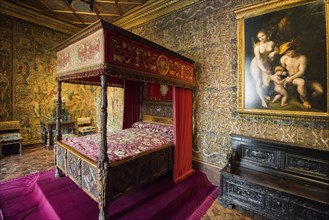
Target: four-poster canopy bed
102, 164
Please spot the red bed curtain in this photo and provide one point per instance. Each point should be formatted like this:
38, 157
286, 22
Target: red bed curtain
131, 109
183, 133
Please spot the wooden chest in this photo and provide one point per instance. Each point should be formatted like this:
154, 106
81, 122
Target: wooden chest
276, 180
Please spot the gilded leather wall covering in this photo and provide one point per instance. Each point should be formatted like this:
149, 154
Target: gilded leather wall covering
114, 108
27, 78
5, 70
206, 33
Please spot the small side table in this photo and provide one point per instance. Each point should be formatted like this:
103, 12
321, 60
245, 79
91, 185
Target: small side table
49, 130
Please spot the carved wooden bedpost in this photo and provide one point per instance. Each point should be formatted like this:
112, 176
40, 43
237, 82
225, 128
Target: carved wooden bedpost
58, 136
103, 162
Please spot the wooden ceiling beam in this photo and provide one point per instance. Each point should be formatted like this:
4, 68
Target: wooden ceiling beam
118, 7
26, 14
76, 15
152, 10
47, 8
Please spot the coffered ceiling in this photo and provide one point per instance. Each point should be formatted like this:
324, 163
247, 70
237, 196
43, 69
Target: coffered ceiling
81, 13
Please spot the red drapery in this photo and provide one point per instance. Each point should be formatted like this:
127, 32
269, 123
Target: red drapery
131, 109
183, 133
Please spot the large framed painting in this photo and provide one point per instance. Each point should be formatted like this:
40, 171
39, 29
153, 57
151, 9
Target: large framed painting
283, 59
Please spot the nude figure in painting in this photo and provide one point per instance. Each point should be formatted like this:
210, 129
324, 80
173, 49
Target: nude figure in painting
279, 81
261, 65
296, 65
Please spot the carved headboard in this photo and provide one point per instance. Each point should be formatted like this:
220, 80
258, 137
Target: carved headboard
157, 119
156, 100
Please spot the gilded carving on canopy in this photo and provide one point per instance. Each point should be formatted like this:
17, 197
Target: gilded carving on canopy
142, 58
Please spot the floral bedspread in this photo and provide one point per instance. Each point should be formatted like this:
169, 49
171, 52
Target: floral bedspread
125, 143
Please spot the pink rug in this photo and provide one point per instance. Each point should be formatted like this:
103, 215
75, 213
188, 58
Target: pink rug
41, 196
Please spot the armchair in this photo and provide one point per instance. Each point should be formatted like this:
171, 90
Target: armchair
85, 126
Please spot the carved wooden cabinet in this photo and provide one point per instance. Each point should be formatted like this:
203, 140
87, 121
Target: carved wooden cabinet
276, 180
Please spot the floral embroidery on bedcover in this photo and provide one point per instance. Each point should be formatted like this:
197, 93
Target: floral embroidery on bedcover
124, 143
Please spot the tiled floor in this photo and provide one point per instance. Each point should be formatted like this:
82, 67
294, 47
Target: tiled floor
37, 158
33, 159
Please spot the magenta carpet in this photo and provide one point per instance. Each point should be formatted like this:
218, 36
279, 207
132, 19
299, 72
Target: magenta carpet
41, 196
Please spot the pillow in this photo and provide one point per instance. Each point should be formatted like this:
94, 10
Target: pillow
10, 137
154, 127
87, 129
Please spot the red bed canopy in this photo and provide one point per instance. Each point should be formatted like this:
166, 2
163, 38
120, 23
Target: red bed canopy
103, 48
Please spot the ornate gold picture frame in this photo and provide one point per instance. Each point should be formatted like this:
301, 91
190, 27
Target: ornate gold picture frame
283, 59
